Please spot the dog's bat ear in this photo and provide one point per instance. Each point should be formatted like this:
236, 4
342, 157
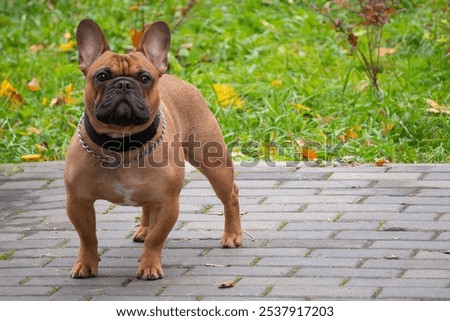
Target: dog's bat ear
155, 44
91, 43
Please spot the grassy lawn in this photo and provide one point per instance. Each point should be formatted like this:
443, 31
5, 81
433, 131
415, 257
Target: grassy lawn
301, 91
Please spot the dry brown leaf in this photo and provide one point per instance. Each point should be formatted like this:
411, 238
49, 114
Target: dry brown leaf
36, 48
386, 51
226, 284
382, 161
33, 85
437, 108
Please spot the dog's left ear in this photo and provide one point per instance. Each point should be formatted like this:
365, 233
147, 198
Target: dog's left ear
155, 44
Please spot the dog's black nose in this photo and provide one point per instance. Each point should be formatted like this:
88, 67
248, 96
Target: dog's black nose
124, 84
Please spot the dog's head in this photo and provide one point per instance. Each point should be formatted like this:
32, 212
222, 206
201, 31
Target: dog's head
121, 92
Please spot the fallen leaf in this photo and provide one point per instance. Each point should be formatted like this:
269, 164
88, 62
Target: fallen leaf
31, 157
136, 37
437, 108
227, 96
276, 83
380, 162
351, 134
133, 7
36, 48
67, 35
66, 47
387, 128
7, 90
309, 154
391, 257
33, 85
386, 51
33, 130
217, 265
301, 107
226, 284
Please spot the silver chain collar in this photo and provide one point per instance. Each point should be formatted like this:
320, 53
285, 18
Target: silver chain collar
112, 162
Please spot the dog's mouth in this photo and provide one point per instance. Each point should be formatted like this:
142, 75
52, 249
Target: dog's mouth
122, 104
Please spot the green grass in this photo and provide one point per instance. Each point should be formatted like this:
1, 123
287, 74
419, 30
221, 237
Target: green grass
248, 45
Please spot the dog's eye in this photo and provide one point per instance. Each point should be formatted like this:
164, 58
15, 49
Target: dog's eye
102, 76
145, 79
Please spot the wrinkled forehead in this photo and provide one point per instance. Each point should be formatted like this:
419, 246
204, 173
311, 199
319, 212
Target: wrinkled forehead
123, 64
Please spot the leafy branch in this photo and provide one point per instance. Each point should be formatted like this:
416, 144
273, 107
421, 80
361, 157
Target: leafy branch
371, 15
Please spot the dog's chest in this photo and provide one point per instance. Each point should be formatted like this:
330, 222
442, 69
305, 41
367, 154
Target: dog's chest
125, 194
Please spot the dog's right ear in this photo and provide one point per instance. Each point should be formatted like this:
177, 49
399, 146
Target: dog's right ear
91, 43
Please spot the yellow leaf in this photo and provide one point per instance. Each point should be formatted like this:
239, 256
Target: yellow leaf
6, 88
275, 83
33, 85
68, 89
8, 91
301, 107
133, 7
44, 101
31, 157
227, 96
136, 37
65, 47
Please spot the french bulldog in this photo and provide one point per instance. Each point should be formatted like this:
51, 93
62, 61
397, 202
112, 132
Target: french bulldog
139, 127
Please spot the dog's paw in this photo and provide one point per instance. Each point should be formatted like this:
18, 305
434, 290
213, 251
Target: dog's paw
231, 240
83, 270
140, 234
150, 271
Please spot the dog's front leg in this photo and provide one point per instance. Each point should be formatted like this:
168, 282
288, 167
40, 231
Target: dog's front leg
161, 219
82, 215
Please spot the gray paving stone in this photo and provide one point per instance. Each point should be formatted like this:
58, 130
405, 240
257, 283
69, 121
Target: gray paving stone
380, 235
347, 184
361, 253
343, 272
333, 293
368, 191
374, 176
408, 200
354, 207
417, 245
310, 199
397, 282
407, 264
427, 274
405, 183
309, 262
437, 176
23, 185
414, 293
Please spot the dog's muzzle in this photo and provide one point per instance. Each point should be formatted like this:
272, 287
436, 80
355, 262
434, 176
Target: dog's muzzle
123, 104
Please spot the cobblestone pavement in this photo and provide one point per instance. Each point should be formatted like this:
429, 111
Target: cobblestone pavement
331, 233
